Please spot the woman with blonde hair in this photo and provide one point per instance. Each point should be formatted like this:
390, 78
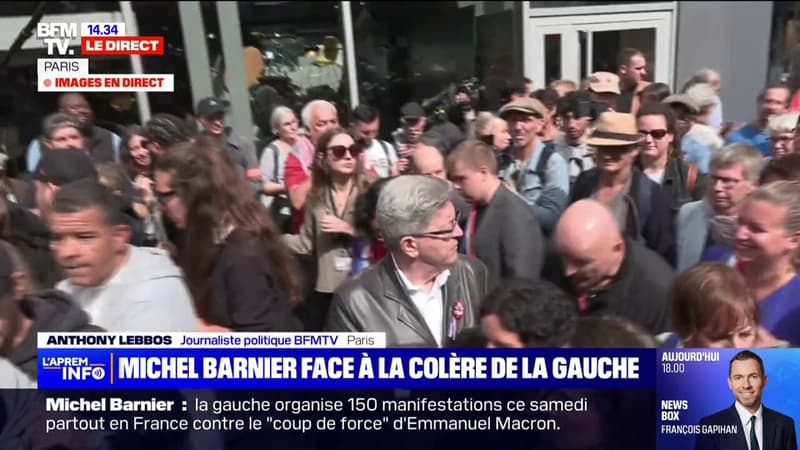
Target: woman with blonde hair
767, 254
713, 307
492, 130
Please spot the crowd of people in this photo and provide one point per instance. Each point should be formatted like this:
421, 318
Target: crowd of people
613, 212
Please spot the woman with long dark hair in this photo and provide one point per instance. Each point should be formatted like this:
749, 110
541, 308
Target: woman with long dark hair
336, 180
240, 275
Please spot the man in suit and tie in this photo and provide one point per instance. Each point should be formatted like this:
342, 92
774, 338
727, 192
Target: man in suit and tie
758, 427
502, 231
423, 293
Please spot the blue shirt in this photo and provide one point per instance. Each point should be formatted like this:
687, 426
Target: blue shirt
780, 312
695, 152
547, 193
751, 135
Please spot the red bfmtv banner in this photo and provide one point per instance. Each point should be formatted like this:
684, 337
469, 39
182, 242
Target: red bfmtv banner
122, 45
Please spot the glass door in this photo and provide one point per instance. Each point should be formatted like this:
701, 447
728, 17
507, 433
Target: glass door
574, 47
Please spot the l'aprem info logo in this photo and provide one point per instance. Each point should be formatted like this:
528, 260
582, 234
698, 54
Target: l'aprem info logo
61, 72
75, 368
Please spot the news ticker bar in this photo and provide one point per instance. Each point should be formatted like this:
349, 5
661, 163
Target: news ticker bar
237, 368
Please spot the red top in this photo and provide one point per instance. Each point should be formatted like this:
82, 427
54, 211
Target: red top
376, 251
294, 175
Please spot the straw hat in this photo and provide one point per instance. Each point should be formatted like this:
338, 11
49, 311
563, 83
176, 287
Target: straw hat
614, 129
604, 82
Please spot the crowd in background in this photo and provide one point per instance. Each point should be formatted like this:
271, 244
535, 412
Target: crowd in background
613, 212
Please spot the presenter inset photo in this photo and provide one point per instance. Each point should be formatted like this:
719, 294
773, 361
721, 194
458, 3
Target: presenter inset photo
747, 424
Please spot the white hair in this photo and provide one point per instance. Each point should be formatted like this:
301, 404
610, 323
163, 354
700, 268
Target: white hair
407, 204
310, 106
782, 123
705, 75
483, 124
277, 116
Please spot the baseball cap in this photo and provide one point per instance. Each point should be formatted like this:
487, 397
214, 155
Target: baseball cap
525, 105
210, 106
604, 82
412, 110
60, 167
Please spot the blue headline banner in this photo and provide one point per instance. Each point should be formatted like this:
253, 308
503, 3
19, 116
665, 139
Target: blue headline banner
92, 368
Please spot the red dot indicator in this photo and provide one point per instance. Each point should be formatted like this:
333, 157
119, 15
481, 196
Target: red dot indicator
47, 83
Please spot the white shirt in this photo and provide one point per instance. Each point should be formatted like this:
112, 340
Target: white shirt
375, 156
744, 416
429, 303
657, 177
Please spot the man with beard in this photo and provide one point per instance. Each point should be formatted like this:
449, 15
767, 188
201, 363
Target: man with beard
101, 144
606, 273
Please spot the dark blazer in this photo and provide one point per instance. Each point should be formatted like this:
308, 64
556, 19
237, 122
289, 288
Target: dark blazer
779, 432
508, 238
650, 219
376, 301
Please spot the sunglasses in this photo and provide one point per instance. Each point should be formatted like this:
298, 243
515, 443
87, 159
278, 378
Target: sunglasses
656, 134
340, 150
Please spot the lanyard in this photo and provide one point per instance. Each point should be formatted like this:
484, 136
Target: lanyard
333, 202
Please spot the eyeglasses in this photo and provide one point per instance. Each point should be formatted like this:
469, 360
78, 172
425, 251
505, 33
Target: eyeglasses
339, 150
164, 197
656, 134
442, 234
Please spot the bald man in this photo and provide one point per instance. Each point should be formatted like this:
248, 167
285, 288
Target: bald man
101, 144
607, 273
428, 160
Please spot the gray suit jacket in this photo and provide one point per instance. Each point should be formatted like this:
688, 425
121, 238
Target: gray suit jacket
376, 301
508, 238
692, 229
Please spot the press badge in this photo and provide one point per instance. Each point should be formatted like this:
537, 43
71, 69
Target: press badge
344, 263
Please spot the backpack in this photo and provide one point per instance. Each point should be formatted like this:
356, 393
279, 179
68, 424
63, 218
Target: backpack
281, 208
541, 166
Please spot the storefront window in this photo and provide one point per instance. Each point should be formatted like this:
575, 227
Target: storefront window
423, 51
301, 48
785, 44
